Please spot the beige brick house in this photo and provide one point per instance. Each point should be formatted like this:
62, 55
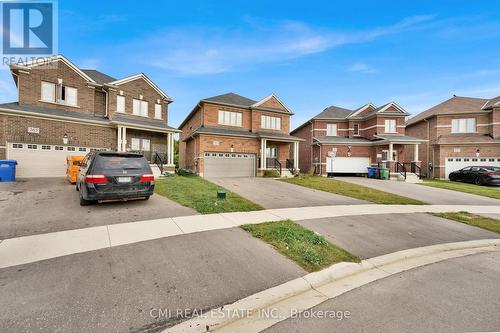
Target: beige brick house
340, 140
234, 136
64, 110
460, 132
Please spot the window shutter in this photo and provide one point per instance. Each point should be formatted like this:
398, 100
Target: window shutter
144, 108
70, 96
48, 92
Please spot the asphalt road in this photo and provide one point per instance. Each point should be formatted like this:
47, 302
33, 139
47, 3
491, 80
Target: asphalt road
271, 193
457, 295
122, 289
42, 205
374, 235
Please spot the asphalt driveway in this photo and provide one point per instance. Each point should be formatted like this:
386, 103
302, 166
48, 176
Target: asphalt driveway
122, 289
42, 205
369, 236
432, 195
271, 193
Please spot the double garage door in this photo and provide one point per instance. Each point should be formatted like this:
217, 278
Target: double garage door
40, 160
347, 164
229, 165
457, 163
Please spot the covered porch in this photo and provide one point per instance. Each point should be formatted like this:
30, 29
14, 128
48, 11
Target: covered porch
281, 154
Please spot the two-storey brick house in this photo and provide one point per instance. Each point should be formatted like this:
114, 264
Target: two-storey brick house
64, 110
459, 132
340, 140
234, 136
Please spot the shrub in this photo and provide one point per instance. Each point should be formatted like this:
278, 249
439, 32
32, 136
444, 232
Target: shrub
271, 173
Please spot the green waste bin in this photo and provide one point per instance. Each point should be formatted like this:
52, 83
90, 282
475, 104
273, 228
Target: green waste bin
384, 173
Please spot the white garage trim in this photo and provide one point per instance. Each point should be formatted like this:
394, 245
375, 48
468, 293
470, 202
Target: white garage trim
227, 164
457, 163
347, 164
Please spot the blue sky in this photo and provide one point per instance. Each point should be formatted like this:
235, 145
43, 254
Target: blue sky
311, 54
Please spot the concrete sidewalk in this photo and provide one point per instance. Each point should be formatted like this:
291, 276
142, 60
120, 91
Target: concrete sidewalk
22, 250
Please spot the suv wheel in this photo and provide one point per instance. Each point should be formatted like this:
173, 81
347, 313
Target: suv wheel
478, 181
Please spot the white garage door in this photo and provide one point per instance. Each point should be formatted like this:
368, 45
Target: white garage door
457, 163
229, 165
37, 160
347, 164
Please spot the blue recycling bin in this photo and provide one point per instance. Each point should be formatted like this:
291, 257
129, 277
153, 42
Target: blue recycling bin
8, 170
372, 172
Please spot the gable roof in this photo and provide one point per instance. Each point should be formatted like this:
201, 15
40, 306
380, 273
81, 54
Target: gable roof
456, 104
272, 96
492, 102
98, 77
145, 78
333, 112
231, 98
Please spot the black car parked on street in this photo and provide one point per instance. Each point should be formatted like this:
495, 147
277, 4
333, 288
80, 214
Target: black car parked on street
479, 175
108, 175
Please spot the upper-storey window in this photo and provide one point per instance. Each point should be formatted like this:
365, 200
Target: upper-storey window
331, 129
120, 103
270, 122
467, 125
58, 93
390, 126
355, 129
140, 108
230, 118
158, 111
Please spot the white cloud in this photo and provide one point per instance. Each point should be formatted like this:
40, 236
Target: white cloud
199, 51
361, 67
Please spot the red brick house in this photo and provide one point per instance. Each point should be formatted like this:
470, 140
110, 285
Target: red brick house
64, 110
460, 132
340, 140
234, 136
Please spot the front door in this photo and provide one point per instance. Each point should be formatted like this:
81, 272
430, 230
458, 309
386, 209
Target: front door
271, 156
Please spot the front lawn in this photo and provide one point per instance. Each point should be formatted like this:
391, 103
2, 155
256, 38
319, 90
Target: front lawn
308, 249
472, 219
352, 190
200, 194
485, 191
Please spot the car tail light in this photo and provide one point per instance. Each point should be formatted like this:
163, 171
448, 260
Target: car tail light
494, 174
147, 178
96, 179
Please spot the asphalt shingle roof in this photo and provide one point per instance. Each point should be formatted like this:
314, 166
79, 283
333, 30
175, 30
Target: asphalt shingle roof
144, 122
231, 98
333, 112
340, 139
98, 77
53, 112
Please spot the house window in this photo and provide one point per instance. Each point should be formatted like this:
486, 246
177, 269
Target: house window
17, 145
140, 108
385, 155
146, 144
467, 125
120, 104
158, 111
390, 126
270, 122
32, 147
331, 129
230, 118
45, 147
135, 144
48, 92
67, 95
355, 129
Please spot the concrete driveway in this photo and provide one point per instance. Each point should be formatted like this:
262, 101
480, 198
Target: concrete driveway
457, 295
122, 289
271, 193
373, 235
428, 194
34, 206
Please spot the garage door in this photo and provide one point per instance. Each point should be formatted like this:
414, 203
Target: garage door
37, 160
347, 164
457, 163
229, 165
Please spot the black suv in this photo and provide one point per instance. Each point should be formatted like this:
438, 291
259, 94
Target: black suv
108, 175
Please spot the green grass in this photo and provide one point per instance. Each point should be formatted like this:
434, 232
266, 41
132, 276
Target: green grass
485, 191
352, 190
200, 194
308, 249
472, 219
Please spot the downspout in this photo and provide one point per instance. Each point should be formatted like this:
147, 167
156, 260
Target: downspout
427, 148
106, 114
320, 160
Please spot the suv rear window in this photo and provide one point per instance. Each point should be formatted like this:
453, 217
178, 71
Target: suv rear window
120, 162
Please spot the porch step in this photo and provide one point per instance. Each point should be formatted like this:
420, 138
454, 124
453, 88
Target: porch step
285, 173
156, 170
410, 177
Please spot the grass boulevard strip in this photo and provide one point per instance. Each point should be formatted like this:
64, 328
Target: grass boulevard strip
473, 220
484, 191
352, 190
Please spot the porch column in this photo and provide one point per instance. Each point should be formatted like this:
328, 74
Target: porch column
390, 151
169, 151
296, 155
124, 139
415, 153
172, 150
119, 143
263, 143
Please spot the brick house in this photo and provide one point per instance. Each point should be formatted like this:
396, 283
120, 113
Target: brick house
460, 132
340, 140
64, 110
234, 136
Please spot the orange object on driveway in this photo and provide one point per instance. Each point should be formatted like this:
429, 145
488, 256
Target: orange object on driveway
72, 167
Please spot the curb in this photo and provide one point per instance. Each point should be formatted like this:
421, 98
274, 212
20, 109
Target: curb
254, 313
